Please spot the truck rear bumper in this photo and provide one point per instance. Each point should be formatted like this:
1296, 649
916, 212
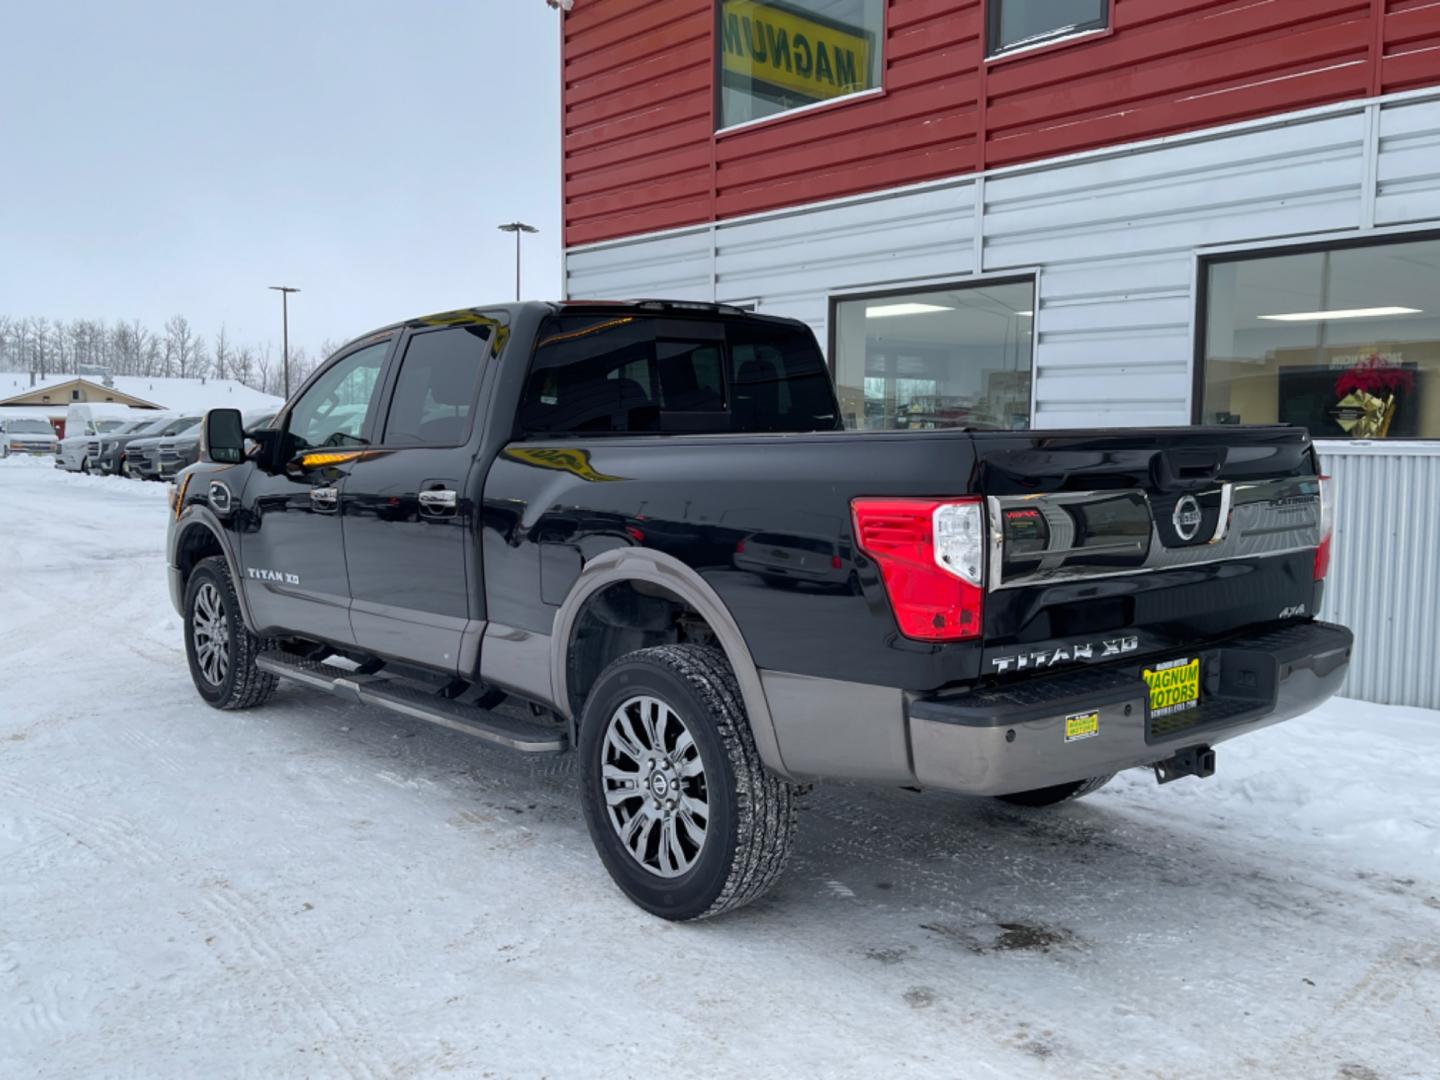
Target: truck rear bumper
1045, 731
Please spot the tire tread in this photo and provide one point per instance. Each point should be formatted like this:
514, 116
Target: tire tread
250, 686
765, 803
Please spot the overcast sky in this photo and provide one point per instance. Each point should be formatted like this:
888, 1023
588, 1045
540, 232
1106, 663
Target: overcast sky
161, 157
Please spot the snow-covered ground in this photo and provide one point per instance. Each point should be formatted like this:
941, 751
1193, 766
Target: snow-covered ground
314, 889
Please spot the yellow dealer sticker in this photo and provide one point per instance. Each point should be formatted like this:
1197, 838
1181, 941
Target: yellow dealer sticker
1174, 686
1081, 725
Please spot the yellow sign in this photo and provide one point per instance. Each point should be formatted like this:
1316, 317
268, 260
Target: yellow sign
1081, 725
800, 56
561, 458
1174, 687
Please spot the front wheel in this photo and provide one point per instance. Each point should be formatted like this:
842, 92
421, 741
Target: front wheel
1050, 796
85, 466
220, 649
685, 817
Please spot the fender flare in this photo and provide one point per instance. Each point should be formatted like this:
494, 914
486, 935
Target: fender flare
201, 517
668, 572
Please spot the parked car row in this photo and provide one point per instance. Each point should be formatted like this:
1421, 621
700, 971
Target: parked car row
151, 448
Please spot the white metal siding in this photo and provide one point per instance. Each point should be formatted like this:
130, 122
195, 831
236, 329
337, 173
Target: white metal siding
676, 266
1384, 580
1408, 173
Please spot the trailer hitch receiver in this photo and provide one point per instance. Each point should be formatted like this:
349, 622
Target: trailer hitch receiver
1196, 761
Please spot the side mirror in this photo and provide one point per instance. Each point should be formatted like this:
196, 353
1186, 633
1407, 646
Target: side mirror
222, 436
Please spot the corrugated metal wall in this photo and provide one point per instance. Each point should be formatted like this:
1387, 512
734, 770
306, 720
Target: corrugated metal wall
1384, 578
1113, 238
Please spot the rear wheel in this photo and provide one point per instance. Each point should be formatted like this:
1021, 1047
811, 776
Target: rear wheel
1050, 796
220, 649
685, 817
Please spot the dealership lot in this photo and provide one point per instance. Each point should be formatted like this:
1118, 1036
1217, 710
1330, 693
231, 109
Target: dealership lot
319, 889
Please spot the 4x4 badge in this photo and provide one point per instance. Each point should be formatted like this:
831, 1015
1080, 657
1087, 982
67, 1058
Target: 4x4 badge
1186, 517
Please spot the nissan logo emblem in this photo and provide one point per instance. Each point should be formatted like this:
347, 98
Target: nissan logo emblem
1186, 517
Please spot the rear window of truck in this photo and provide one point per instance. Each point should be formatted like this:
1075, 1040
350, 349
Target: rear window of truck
622, 374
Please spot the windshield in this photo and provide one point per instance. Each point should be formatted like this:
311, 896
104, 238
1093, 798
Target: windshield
182, 425
107, 425
153, 427
29, 427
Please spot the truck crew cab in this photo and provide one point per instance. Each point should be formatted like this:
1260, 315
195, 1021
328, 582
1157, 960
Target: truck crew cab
645, 523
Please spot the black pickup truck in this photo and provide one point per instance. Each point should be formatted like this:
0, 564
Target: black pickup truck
640, 530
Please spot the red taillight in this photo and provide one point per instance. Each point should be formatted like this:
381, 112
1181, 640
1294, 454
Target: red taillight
1327, 527
739, 547
935, 587
835, 563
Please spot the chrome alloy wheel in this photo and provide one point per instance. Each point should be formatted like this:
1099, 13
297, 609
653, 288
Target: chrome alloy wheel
211, 633
655, 793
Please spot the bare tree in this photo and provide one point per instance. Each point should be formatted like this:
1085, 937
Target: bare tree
262, 367
182, 345
242, 365
40, 343
223, 356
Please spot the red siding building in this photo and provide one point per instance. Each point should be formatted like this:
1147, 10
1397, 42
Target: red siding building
644, 150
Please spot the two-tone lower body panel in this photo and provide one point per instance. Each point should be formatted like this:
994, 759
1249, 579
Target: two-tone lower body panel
1041, 731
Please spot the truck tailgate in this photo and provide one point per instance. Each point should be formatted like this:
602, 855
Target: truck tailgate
1142, 542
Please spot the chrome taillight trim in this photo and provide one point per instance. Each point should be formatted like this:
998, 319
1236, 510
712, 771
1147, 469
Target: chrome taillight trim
1249, 526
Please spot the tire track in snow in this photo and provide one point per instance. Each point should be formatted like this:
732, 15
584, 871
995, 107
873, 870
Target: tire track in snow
110, 836
331, 1021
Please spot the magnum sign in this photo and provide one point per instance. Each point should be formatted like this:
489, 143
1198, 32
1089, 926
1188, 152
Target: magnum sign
797, 55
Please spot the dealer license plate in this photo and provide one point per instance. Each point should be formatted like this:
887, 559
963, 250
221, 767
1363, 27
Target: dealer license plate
1174, 686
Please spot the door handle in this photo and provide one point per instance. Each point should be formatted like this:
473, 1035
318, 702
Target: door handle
326, 498
439, 501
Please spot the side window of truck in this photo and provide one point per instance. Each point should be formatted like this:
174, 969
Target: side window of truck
435, 392
633, 373
596, 374
332, 411
780, 380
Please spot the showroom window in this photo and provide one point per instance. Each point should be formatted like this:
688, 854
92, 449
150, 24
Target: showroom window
955, 356
1345, 341
1023, 24
777, 55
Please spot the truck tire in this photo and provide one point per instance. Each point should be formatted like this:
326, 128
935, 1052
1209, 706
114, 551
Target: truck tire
1050, 796
220, 649
685, 817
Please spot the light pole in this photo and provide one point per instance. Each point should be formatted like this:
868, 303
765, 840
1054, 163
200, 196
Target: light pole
518, 227
285, 291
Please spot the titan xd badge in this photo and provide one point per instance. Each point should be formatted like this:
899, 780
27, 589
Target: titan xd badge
1080, 650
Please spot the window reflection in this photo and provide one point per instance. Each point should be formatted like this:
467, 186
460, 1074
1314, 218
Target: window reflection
954, 357
1344, 342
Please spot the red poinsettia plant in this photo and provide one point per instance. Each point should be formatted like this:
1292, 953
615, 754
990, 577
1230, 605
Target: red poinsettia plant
1374, 375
